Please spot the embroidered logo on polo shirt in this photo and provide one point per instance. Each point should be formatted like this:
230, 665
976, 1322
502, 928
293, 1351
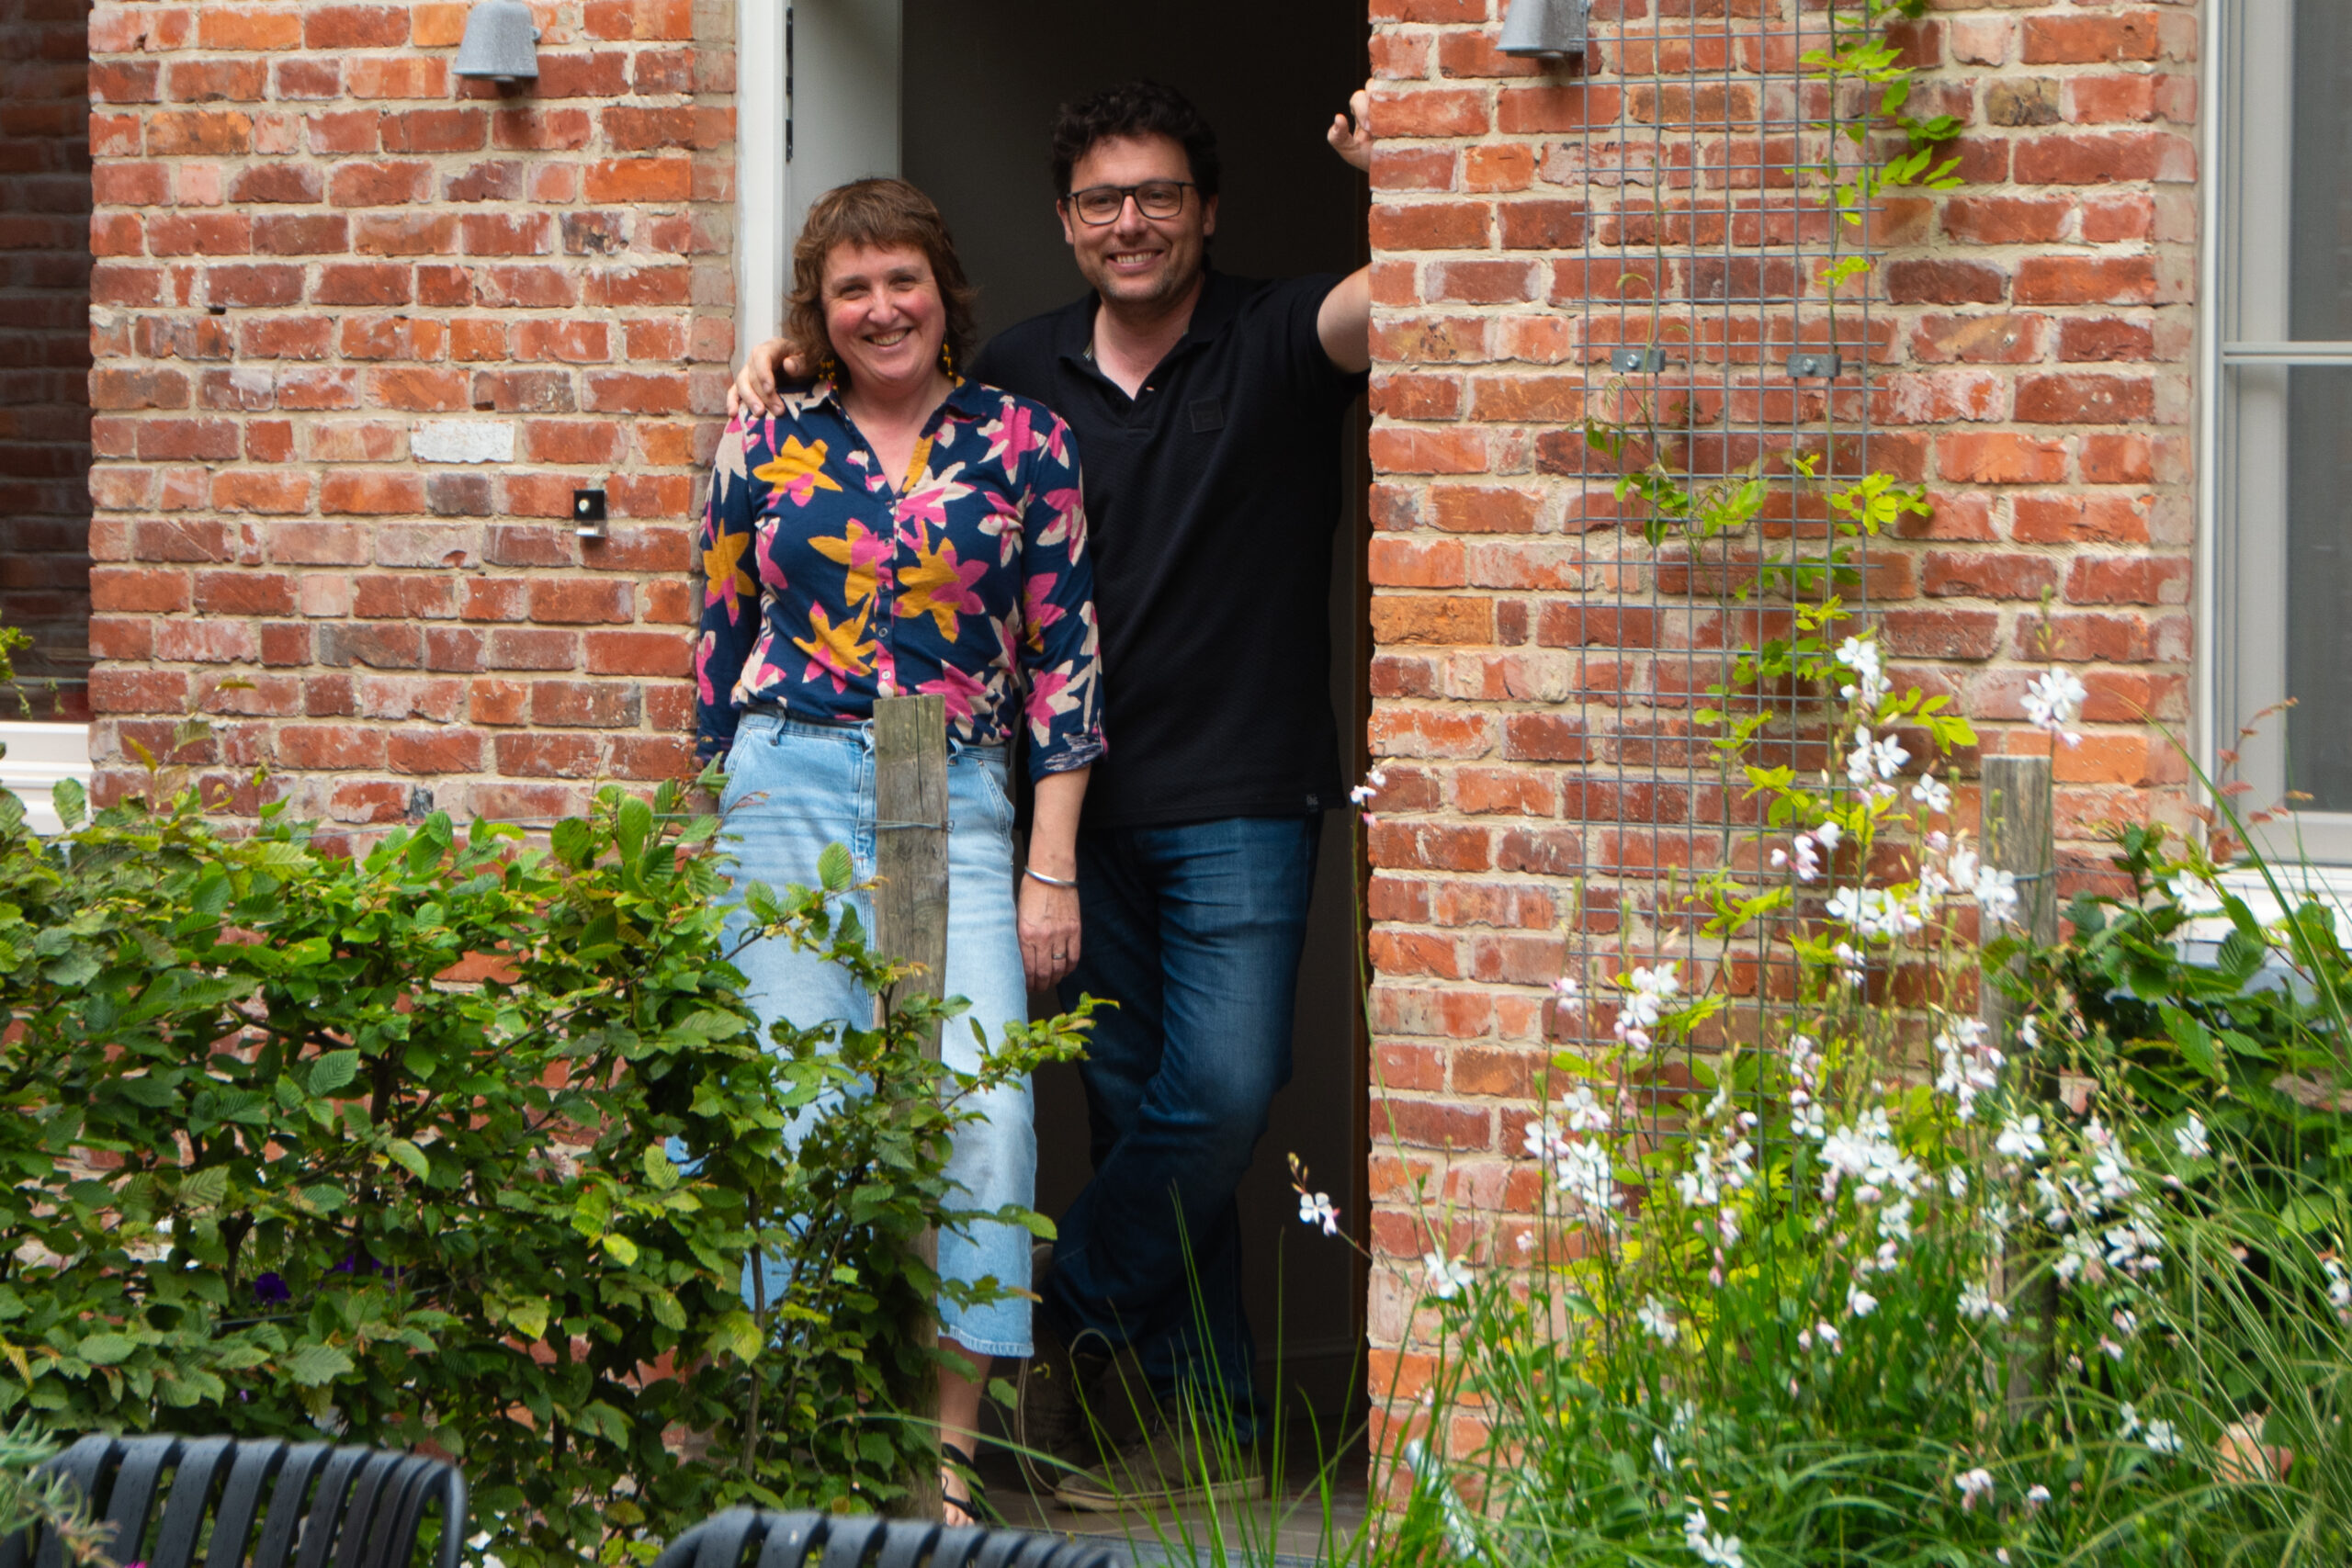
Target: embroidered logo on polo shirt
1207, 414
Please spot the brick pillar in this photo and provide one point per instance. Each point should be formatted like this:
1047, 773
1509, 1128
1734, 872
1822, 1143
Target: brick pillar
2031, 348
45, 348
361, 328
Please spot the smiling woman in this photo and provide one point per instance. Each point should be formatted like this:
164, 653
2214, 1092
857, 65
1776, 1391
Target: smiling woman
896, 528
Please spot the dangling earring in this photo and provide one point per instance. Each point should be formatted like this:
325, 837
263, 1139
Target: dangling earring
947, 359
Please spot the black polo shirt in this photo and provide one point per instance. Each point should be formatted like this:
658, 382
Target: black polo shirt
1211, 497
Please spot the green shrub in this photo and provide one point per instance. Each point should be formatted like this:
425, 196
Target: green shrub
376, 1145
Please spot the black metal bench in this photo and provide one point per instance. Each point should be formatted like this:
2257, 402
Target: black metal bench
748, 1537
328, 1506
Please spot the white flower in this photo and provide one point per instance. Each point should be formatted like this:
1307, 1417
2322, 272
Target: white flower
1827, 1333
2021, 1140
1860, 1302
1587, 1114
1643, 1000
1890, 756
1315, 1209
1721, 1551
1860, 656
1567, 990
1935, 797
1658, 1319
2037, 1495
1973, 1484
1976, 1304
1582, 1174
2053, 702
2339, 1287
1448, 1277
2163, 1438
2130, 1419
2190, 1139
1996, 892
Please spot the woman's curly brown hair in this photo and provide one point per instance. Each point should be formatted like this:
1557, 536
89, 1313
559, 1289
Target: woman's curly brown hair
878, 214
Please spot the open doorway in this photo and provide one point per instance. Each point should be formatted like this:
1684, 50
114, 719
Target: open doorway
976, 99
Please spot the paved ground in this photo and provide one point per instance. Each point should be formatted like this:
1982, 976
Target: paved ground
1290, 1528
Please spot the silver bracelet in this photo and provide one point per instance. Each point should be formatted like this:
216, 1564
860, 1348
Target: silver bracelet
1031, 871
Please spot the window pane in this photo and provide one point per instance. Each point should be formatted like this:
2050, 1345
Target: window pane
2319, 585
2319, 414
2320, 309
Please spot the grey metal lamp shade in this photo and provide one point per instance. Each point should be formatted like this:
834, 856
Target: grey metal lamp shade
1544, 29
500, 42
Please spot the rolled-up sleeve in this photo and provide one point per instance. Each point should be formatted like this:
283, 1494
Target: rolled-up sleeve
1061, 644
730, 597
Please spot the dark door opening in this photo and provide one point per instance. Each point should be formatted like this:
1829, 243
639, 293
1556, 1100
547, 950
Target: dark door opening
45, 352
979, 96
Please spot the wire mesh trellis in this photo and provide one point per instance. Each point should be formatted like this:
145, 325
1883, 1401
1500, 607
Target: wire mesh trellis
1727, 337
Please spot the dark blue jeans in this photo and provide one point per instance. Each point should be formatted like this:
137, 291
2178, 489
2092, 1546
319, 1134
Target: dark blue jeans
1196, 931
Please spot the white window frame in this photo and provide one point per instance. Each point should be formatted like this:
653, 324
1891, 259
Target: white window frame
817, 95
2244, 355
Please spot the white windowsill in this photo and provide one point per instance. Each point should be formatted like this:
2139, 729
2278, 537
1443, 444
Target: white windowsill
39, 757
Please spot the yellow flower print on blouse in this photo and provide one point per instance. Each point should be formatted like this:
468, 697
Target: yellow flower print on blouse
724, 579
867, 556
836, 650
940, 587
797, 470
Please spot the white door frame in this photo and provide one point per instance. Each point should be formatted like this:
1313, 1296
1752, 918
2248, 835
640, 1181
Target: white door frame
817, 91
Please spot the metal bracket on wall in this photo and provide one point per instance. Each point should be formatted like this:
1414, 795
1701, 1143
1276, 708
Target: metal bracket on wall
1637, 361
1811, 364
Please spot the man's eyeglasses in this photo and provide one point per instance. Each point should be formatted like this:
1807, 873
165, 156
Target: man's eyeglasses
1098, 205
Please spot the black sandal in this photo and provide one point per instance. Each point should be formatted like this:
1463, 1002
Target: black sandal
969, 1505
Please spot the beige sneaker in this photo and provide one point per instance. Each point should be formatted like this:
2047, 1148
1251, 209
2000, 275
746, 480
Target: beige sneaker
1052, 1429
1172, 1462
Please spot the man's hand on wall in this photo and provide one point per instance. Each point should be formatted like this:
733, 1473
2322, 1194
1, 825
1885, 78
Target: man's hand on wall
754, 387
1354, 143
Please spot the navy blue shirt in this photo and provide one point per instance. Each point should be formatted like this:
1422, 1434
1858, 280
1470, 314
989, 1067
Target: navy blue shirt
1212, 498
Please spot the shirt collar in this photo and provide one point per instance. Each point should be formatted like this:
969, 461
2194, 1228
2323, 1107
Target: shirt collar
966, 398
1219, 302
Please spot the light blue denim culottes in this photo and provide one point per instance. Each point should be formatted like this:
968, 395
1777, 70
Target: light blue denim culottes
793, 788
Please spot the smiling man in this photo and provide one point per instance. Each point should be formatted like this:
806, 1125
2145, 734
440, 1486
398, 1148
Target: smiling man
1208, 414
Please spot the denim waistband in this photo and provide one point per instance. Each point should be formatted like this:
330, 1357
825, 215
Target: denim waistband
856, 732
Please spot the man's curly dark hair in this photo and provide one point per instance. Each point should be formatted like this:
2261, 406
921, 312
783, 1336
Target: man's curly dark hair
1134, 109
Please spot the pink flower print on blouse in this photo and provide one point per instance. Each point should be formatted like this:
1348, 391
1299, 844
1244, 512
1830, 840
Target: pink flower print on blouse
1038, 609
1010, 437
1068, 525
1049, 697
959, 688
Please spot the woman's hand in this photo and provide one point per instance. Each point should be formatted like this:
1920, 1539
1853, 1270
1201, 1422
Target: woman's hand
1048, 914
1048, 932
754, 387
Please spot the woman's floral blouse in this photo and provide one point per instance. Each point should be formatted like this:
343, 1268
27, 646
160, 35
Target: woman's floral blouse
825, 587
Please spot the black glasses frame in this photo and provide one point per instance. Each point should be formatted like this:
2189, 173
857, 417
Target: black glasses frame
1124, 193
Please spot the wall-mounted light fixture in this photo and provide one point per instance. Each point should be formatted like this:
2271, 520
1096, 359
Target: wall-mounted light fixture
501, 43
1544, 29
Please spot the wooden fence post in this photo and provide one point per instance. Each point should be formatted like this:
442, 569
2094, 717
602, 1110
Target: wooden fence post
2020, 837
911, 926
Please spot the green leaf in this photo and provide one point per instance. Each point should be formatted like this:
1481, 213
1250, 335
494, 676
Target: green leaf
71, 804
106, 1349
737, 1336
620, 1249
835, 868
660, 1169
636, 825
315, 1366
2195, 1042
332, 1071
409, 1157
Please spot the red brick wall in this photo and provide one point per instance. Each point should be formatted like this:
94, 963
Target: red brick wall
316, 250
44, 345
2030, 345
